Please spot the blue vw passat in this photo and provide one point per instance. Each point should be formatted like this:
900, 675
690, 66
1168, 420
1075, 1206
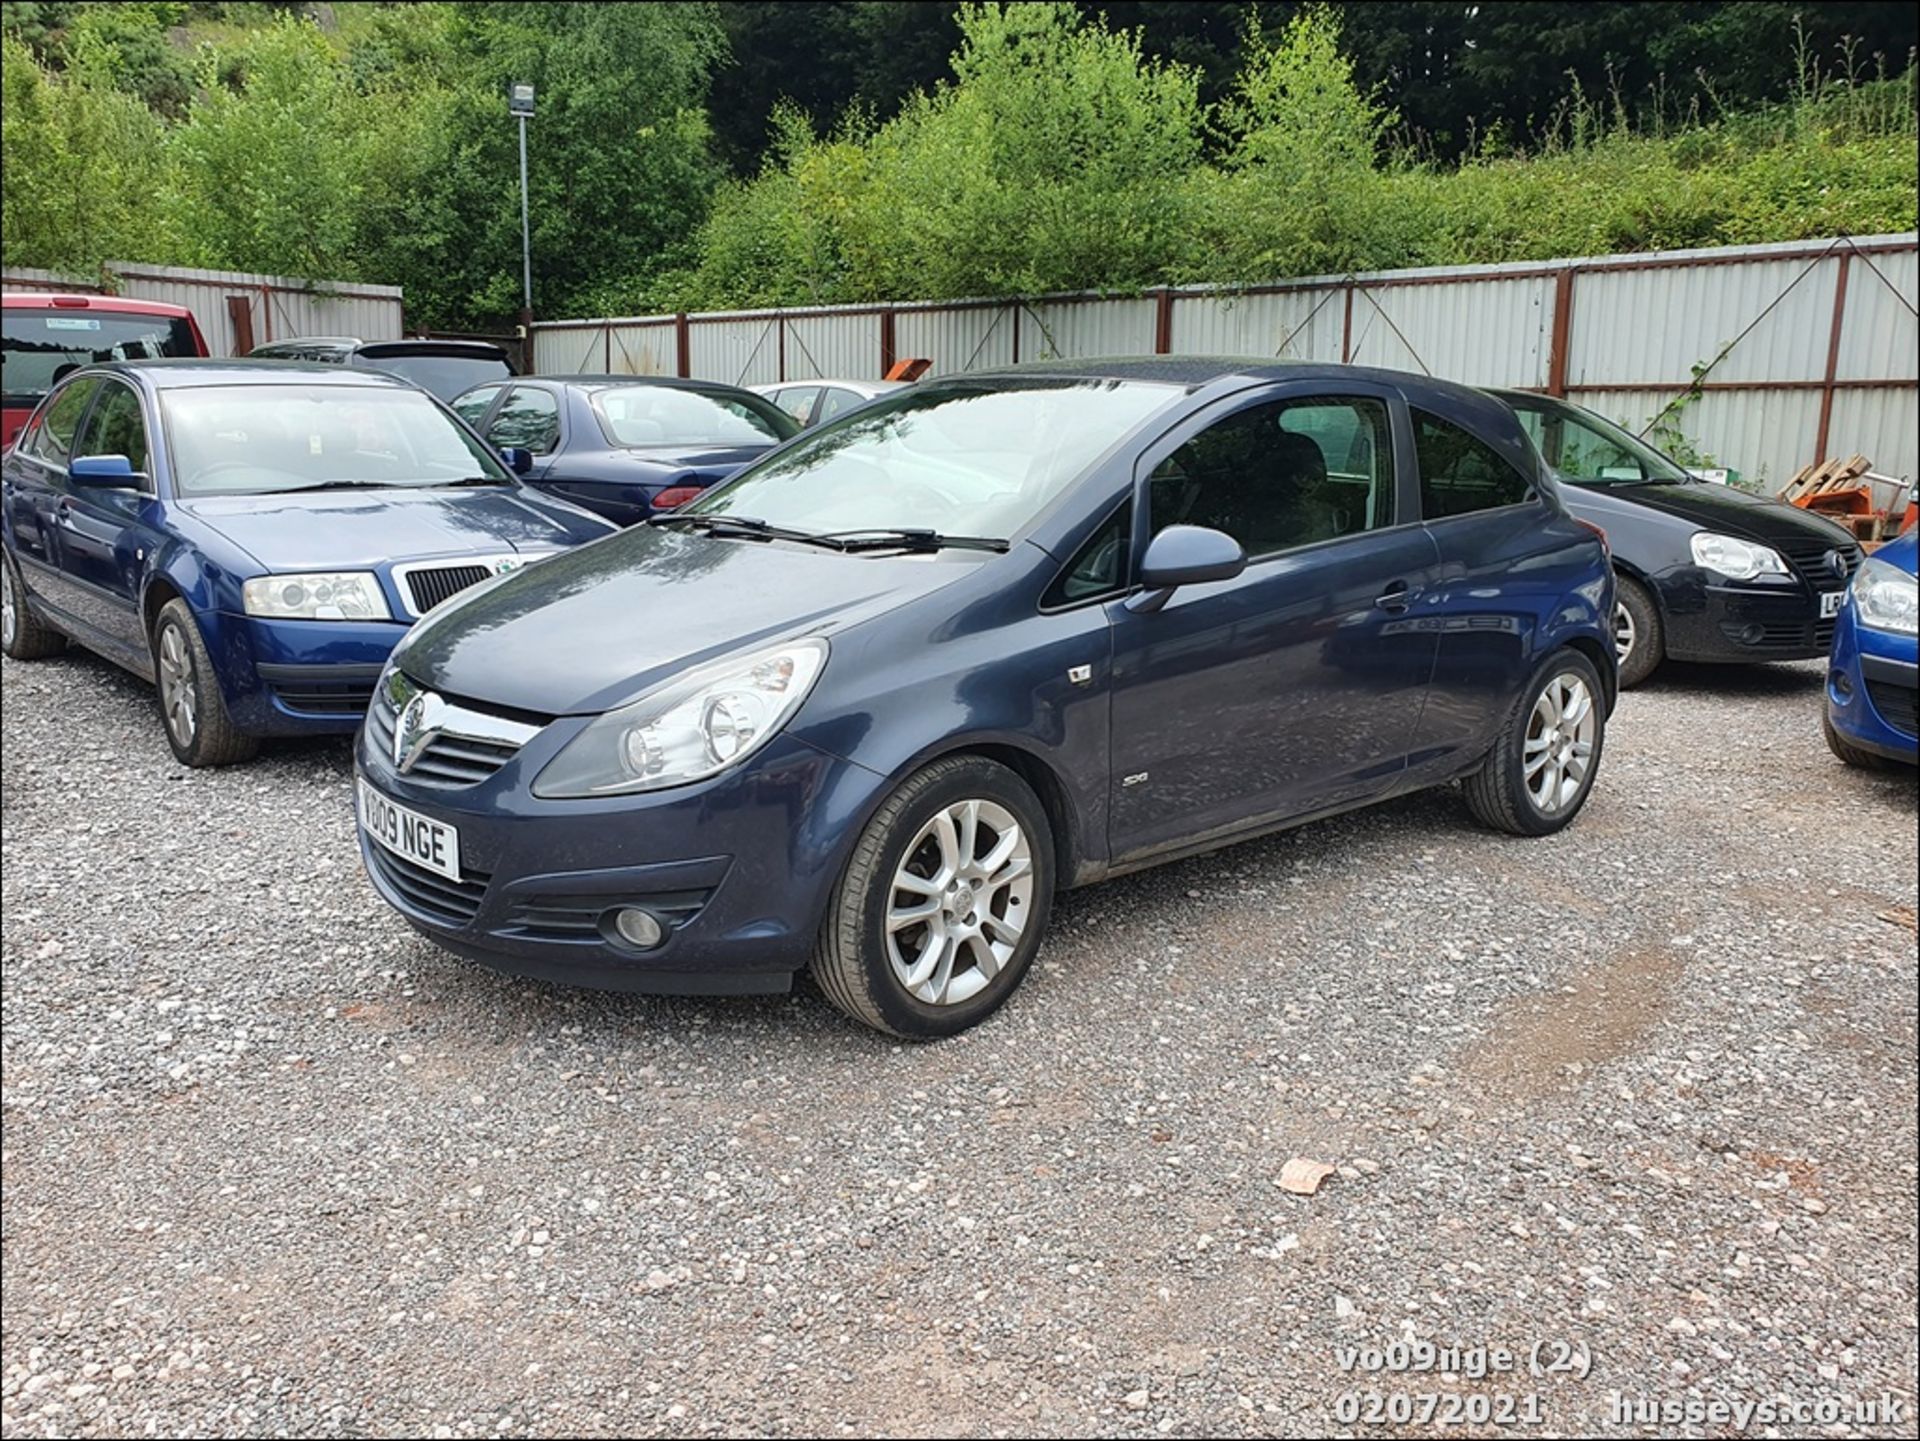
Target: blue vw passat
253, 535
865, 707
1873, 677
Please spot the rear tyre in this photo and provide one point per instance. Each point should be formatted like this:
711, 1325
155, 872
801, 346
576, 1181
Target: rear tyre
23, 635
942, 904
191, 706
1542, 767
1639, 639
1848, 751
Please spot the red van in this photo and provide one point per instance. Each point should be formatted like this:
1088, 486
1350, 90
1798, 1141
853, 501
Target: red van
42, 337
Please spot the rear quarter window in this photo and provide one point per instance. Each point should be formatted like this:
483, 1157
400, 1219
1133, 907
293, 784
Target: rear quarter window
1460, 473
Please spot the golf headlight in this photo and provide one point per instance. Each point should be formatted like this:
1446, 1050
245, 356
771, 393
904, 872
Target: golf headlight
1735, 559
321, 595
691, 728
1886, 598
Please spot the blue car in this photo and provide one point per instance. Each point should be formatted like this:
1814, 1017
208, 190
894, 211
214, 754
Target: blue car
626, 446
864, 708
254, 536
1873, 677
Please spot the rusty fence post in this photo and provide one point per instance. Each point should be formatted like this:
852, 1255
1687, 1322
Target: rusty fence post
1562, 332
1833, 359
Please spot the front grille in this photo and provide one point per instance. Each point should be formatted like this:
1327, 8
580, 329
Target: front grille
448, 760
1809, 561
452, 903
336, 698
1785, 638
428, 586
1899, 705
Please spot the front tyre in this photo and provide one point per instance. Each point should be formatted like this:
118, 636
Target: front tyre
942, 903
1847, 751
1639, 638
23, 635
191, 706
1541, 769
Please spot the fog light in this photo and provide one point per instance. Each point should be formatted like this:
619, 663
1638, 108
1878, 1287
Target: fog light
1842, 685
637, 928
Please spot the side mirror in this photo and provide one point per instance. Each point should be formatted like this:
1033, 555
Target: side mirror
518, 459
1185, 555
104, 472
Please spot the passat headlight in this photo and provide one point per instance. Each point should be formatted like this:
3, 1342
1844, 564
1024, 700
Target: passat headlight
1886, 598
1735, 559
691, 728
320, 595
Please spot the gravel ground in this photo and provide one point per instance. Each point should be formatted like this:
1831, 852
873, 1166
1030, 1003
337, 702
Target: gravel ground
274, 1164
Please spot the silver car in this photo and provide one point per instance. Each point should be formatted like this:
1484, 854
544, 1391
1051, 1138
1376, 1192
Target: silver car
812, 401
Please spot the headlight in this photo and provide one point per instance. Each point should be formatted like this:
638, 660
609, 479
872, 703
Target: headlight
1735, 559
691, 728
1886, 598
323, 595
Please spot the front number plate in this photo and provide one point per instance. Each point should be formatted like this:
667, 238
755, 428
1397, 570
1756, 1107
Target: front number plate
1830, 603
426, 842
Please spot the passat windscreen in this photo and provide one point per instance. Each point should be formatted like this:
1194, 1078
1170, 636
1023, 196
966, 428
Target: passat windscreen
268, 439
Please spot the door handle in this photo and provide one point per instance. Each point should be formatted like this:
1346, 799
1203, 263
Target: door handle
1395, 598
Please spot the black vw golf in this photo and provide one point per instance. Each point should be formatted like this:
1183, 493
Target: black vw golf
1703, 572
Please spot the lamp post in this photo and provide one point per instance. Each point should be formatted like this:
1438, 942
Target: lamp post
520, 106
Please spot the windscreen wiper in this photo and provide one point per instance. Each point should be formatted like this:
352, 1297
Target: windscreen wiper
745, 527
335, 485
467, 480
889, 538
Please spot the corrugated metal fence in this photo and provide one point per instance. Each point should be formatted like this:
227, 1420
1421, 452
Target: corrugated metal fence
238, 310
1792, 352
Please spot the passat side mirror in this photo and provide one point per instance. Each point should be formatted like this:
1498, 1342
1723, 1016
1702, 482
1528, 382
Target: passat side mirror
1184, 555
518, 460
104, 472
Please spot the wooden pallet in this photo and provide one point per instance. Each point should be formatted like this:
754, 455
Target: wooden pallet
1828, 476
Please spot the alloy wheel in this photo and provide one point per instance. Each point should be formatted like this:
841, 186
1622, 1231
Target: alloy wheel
9, 616
177, 699
1559, 748
959, 902
1625, 633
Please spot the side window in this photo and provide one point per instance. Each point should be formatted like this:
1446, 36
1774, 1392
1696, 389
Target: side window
530, 419
1461, 473
1280, 475
62, 418
116, 427
1100, 568
798, 401
473, 405
1588, 455
835, 401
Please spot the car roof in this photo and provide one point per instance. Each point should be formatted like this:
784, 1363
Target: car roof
867, 387
1196, 371
47, 300
177, 374
336, 342
602, 382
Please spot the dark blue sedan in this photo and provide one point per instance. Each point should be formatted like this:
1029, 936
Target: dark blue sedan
253, 535
626, 446
864, 708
